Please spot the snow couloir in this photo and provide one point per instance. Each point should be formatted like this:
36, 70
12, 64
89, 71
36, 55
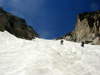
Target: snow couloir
47, 57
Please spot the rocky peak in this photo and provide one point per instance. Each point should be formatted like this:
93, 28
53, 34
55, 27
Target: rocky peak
87, 28
1, 9
16, 26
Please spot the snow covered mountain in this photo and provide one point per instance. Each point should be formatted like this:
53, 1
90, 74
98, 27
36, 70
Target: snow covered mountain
47, 57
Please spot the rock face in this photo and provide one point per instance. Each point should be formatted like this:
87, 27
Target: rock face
87, 29
16, 26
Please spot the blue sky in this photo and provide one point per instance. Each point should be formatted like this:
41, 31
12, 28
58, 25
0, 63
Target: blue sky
50, 18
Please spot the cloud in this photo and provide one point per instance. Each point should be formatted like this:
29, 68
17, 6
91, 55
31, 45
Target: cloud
34, 13
1, 2
14, 0
19, 14
24, 8
24, 5
94, 6
45, 34
29, 10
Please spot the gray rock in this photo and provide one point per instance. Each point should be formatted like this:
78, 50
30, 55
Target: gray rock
16, 26
87, 29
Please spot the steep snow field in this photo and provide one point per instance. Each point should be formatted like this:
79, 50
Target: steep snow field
47, 57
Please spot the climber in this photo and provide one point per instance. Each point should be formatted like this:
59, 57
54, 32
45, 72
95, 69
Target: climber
82, 44
61, 42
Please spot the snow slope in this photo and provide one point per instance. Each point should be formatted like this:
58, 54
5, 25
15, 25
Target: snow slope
47, 57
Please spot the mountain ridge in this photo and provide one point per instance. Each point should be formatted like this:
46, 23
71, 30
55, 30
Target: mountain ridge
16, 26
87, 29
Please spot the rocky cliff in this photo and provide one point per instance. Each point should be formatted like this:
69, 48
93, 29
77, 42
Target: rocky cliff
16, 26
87, 29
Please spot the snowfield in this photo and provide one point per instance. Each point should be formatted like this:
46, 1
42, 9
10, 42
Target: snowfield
47, 57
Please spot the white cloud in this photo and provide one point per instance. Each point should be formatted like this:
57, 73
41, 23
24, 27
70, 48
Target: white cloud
94, 6
28, 10
15, 0
19, 14
44, 33
26, 6
1, 2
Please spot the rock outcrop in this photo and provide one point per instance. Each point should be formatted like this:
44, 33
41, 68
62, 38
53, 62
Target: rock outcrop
87, 29
16, 26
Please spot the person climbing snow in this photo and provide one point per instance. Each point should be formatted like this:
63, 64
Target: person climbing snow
61, 42
82, 44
